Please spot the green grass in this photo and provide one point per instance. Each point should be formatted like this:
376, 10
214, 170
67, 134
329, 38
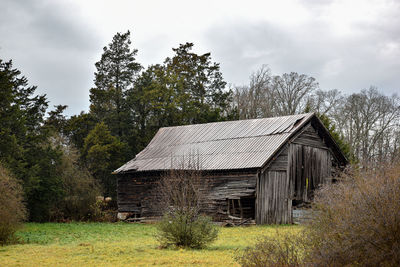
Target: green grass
121, 244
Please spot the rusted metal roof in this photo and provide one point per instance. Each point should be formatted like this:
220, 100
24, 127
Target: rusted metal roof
217, 146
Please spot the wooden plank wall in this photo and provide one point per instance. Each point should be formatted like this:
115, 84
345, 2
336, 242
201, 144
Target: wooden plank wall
301, 165
310, 164
137, 194
308, 168
272, 204
230, 186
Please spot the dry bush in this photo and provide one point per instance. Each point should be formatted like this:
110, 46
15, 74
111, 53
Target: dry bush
358, 220
356, 223
12, 208
281, 250
181, 192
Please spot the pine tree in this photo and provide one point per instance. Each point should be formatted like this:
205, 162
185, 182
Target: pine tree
116, 73
103, 153
199, 86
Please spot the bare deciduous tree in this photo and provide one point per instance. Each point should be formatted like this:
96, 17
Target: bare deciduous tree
256, 99
291, 92
268, 96
182, 190
370, 123
325, 102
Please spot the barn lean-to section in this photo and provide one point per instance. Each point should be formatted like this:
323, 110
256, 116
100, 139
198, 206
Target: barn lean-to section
264, 169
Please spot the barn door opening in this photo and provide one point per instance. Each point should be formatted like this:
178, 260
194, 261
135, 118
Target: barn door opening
309, 167
243, 207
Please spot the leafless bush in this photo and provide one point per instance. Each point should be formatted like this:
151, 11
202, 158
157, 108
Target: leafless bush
181, 192
358, 220
12, 208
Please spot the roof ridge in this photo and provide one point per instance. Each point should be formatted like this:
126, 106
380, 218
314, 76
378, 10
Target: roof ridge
221, 139
256, 119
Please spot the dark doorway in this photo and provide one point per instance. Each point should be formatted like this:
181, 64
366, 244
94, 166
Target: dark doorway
243, 207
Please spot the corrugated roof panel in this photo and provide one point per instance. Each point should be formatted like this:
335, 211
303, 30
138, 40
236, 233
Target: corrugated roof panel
221, 145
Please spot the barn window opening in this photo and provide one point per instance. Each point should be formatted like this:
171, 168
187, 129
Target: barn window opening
243, 207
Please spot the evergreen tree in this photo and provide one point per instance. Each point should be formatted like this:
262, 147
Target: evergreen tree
340, 141
199, 86
24, 142
103, 153
78, 127
152, 105
116, 73
56, 120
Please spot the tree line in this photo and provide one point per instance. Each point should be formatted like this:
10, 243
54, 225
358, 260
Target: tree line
64, 163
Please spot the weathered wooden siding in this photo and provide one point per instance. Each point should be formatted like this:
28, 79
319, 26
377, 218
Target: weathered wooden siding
272, 203
310, 165
308, 168
298, 169
137, 194
309, 137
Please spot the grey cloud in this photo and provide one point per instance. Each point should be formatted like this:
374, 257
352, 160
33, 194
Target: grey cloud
349, 63
54, 48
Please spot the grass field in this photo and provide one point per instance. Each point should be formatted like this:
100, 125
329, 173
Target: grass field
121, 244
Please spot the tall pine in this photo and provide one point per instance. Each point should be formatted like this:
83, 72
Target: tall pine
116, 73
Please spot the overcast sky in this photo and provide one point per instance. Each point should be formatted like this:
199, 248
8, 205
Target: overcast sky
345, 45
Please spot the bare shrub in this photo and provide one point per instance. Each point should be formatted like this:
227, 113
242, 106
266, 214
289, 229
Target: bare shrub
181, 192
281, 250
12, 208
358, 220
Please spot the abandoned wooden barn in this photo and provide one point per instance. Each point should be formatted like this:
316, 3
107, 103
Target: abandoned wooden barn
262, 169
